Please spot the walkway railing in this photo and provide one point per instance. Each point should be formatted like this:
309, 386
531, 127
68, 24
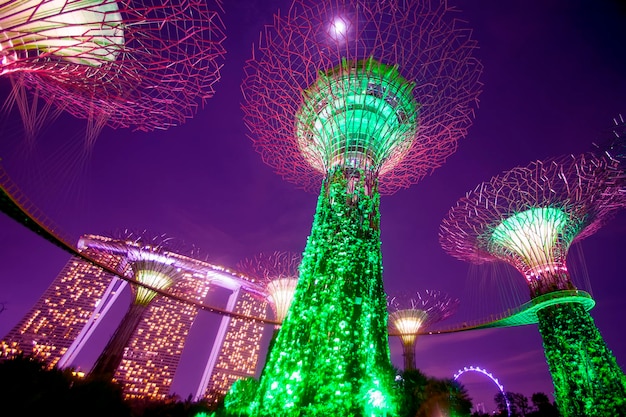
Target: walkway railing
17, 206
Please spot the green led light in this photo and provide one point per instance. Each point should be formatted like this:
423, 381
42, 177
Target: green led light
587, 379
531, 233
153, 279
360, 114
331, 355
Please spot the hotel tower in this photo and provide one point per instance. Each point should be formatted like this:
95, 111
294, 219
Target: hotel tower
64, 321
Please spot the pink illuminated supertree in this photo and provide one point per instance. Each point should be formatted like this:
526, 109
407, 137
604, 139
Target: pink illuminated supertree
278, 273
351, 98
528, 217
146, 259
411, 314
123, 63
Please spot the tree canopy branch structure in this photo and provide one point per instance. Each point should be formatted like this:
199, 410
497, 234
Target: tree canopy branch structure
412, 315
135, 64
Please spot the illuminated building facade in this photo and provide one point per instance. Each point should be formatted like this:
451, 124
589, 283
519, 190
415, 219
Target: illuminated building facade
65, 318
237, 356
76, 298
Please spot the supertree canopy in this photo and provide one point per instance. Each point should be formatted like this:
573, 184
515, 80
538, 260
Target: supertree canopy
528, 217
278, 271
356, 98
611, 144
409, 315
150, 266
126, 63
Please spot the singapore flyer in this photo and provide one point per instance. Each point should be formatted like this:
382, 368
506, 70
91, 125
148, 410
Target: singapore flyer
488, 375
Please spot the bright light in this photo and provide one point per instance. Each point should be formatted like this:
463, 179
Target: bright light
408, 323
84, 32
532, 234
281, 292
338, 28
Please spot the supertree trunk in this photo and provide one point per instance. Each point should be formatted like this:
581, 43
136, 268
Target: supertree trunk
112, 355
331, 356
587, 379
408, 352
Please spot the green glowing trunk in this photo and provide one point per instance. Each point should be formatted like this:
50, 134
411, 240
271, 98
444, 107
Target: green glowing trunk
587, 380
331, 356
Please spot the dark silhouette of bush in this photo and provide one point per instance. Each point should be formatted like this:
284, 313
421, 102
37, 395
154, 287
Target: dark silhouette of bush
28, 387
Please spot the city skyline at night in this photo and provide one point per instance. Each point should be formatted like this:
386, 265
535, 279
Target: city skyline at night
82, 305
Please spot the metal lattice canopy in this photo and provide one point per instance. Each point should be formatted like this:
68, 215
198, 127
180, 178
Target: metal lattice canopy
386, 86
130, 63
529, 216
359, 114
278, 272
410, 314
149, 258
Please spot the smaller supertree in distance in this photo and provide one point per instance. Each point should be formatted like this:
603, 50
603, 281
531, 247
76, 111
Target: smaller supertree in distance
278, 273
126, 63
528, 217
151, 267
410, 314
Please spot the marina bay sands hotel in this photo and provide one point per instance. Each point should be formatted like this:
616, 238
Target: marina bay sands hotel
65, 321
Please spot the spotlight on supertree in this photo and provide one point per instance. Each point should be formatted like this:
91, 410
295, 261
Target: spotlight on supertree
278, 272
528, 217
126, 63
149, 265
352, 99
409, 315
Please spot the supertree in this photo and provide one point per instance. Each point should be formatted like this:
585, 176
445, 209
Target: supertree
278, 273
528, 217
410, 314
126, 63
149, 265
359, 98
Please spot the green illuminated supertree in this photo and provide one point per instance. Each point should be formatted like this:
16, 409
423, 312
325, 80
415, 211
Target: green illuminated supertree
150, 266
529, 217
409, 315
360, 98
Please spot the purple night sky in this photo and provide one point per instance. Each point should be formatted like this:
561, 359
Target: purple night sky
554, 78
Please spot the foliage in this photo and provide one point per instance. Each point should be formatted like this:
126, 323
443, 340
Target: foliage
331, 355
411, 387
28, 385
587, 379
241, 395
520, 407
420, 395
